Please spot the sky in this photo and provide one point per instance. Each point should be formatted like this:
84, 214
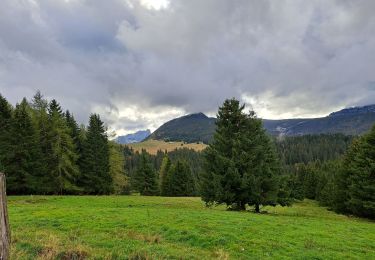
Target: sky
139, 63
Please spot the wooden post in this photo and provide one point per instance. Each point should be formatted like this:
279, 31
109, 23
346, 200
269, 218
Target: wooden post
4, 221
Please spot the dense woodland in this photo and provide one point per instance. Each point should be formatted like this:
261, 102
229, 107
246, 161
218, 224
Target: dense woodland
43, 150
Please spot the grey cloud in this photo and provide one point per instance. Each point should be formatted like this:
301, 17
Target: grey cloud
300, 58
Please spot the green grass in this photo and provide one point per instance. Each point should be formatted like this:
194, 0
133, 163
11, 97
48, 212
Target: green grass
135, 227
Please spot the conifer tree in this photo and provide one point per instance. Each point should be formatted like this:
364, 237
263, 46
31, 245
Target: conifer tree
117, 169
357, 189
73, 128
22, 160
241, 166
39, 107
180, 180
63, 171
95, 169
5, 130
145, 177
163, 176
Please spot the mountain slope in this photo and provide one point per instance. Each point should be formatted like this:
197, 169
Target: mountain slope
191, 128
133, 138
200, 128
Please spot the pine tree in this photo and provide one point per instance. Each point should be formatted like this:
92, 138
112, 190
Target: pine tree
145, 177
63, 171
180, 180
95, 169
359, 170
163, 176
39, 107
5, 130
241, 166
22, 160
73, 128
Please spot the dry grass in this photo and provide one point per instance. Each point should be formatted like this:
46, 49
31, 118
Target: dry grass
153, 146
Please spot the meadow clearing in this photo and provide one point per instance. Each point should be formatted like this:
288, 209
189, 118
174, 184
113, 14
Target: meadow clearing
136, 227
153, 146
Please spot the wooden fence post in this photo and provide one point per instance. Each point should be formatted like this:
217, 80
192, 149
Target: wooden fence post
4, 221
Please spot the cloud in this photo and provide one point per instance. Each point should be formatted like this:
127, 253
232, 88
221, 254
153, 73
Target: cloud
140, 63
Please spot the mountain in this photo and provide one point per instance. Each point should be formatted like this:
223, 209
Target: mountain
191, 128
200, 128
133, 138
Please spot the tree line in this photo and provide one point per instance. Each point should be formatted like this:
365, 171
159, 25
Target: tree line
43, 150
173, 173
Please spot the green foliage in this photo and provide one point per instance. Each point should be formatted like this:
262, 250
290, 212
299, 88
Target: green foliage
95, 168
44, 151
5, 130
241, 164
117, 169
311, 148
21, 159
179, 180
164, 180
145, 177
357, 182
62, 167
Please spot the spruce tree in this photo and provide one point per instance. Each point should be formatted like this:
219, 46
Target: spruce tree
241, 167
95, 169
63, 171
39, 107
145, 177
74, 130
358, 192
5, 130
163, 176
181, 181
22, 160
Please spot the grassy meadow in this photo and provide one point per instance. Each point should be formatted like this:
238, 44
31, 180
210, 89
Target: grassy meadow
152, 146
136, 227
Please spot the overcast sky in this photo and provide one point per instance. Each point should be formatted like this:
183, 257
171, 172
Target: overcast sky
141, 62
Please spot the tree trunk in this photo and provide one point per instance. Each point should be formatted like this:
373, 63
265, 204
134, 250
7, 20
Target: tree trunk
257, 210
4, 222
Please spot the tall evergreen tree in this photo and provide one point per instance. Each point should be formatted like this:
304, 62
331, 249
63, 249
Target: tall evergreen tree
95, 175
163, 176
5, 130
39, 107
22, 160
63, 171
180, 179
145, 177
241, 166
359, 171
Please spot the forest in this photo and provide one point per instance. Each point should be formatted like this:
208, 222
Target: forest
45, 151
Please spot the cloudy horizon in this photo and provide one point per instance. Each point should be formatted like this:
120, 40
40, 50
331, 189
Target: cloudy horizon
140, 63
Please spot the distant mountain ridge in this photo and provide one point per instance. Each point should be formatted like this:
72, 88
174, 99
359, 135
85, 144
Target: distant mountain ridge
200, 128
133, 138
191, 128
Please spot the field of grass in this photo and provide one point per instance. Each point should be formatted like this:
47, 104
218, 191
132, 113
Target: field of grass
152, 146
135, 227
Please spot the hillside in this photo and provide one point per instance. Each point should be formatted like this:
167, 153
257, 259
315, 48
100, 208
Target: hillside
153, 146
191, 128
199, 127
